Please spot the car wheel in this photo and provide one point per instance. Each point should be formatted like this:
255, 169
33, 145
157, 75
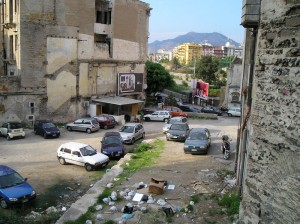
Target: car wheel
69, 128
8, 138
45, 135
89, 131
62, 161
132, 141
88, 167
147, 119
3, 203
105, 127
230, 115
165, 120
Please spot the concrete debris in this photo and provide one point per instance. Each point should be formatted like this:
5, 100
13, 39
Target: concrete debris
88, 222
113, 209
231, 182
99, 207
51, 210
109, 185
161, 202
99, 217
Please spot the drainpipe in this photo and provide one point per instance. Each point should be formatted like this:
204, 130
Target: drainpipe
3, 43
248, 103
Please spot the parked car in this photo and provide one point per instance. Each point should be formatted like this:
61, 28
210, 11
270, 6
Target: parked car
46, 129
178, 132
88, 125
14, 189
174, 120
212, 110
112, 145
148, 110
130, 132
106, 121
159, 115
234, 112
188, 108
175, 111
198, 141
12, 130
81, 154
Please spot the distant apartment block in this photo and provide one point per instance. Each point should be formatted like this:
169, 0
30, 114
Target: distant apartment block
187, 53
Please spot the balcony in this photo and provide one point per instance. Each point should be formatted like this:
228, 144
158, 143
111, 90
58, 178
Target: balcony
100, 28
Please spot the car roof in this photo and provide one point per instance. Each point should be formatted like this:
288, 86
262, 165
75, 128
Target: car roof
178, 118
131, 124
5, 170
161, 111
74, 145
112, 133
179, 123
198, 129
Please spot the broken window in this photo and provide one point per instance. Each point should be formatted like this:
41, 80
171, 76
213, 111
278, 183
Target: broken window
103, 17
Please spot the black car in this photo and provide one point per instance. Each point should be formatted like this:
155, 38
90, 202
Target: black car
198, 141
178, 132
212, 110
46, 129
112, 145
188, 108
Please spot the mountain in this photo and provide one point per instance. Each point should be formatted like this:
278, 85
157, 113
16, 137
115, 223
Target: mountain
216, 39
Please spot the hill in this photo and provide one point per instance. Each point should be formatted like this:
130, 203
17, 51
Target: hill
216, 39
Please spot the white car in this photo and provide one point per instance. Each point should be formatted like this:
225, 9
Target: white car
81, 154
131, 132
234, 112
12, 130
159, 115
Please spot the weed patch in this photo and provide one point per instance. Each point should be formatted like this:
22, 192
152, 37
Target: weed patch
231, 202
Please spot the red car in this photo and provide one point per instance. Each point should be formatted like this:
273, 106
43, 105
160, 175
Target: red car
106, 121
175, 111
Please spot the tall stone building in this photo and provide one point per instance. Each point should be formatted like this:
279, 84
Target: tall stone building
268, 164
63, 59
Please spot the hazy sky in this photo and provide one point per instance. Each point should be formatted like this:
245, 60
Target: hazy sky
170, 18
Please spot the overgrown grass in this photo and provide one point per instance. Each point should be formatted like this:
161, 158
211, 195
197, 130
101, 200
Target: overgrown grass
231, 202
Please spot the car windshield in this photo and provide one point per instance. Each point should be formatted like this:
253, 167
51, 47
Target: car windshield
177, 127
173, 121
10, 180
127, 129
15, 126
111, 140
94, 121
88, 151
197, 136
48, 125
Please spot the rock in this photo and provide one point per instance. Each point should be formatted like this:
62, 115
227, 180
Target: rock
99, 207
88, 222
51, 210
99, 217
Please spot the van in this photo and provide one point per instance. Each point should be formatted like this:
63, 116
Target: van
234, 112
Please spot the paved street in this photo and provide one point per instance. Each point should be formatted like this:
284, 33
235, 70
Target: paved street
35, 157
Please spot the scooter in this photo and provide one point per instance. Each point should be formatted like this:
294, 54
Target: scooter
225, 147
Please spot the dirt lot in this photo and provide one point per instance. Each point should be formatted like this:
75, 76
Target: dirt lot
35, 158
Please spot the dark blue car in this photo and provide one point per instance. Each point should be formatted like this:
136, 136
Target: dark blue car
46, 129
14, 189
112, 145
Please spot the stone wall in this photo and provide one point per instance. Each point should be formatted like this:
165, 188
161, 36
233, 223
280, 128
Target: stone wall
271, 184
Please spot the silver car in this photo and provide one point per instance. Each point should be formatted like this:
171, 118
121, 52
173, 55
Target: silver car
88, 125
131, 132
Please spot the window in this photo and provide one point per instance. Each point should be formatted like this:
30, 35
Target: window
103, 17
67, 151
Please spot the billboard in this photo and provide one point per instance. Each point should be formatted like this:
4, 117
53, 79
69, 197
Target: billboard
130, 83
201, 89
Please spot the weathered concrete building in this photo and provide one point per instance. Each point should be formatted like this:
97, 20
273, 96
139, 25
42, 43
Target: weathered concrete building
61, 58
233, 85
269, 148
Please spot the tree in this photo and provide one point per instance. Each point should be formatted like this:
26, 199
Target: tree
206, 68
175, 63
158, 78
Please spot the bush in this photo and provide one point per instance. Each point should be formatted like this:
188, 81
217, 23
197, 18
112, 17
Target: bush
231, 202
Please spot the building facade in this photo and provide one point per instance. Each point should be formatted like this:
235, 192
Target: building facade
268, 167
188, 53
59, 57
233, 85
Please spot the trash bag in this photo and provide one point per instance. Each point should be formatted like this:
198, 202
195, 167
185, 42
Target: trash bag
168, 211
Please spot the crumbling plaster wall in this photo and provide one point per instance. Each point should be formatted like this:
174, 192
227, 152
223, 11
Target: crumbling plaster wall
272, 176
130, 30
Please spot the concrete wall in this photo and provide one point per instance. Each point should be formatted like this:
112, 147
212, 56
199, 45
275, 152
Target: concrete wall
270, 137
59, 63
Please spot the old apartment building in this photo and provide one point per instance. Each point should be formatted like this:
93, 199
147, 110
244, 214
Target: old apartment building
269, 148
64, 59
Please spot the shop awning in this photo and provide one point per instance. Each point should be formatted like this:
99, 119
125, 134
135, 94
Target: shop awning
117, 100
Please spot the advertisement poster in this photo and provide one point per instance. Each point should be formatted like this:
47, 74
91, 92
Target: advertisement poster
130, 83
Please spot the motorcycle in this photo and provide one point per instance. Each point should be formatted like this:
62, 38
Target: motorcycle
225, 147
